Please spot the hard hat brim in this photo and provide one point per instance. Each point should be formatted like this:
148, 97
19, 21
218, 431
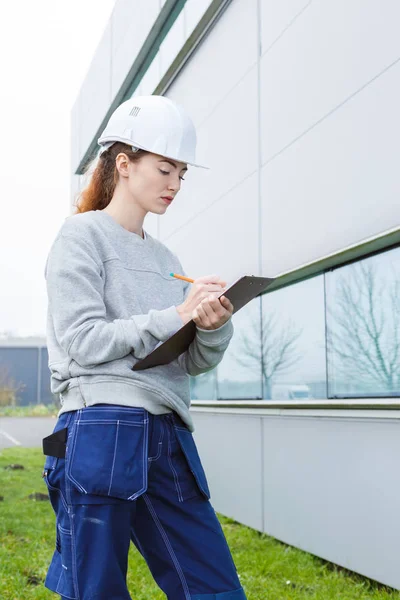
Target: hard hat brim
108, 141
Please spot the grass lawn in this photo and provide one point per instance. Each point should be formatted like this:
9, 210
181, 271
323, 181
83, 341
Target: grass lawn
268, 569
32, 410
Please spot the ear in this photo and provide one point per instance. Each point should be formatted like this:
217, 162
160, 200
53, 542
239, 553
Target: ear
122, 163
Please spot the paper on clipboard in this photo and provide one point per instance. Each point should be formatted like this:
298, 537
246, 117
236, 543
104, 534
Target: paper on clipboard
240, 292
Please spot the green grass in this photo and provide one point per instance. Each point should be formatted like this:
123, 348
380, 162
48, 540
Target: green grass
268, 569
32, 410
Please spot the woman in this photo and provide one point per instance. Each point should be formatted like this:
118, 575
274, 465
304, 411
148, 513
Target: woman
122, 463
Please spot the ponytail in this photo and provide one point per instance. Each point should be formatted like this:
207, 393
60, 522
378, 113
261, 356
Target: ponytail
100, 189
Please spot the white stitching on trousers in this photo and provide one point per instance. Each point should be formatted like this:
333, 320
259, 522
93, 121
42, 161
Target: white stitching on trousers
168, 545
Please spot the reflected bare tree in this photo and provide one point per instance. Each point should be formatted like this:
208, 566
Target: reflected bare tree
364, 328
277, 347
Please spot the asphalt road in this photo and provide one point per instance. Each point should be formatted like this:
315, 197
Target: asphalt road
25, 431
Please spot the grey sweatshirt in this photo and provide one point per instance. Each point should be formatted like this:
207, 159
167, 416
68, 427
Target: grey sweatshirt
111, 301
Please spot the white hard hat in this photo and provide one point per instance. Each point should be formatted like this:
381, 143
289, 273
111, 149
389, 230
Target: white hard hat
153, 123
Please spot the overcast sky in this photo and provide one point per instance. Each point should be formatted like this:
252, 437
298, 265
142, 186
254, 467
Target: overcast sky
46, 48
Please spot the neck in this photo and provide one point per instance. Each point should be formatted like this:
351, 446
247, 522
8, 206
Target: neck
128, 215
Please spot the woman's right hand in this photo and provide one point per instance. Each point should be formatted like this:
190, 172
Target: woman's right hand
208, 285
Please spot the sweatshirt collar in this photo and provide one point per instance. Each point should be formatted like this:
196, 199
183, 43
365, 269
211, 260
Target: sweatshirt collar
119, 229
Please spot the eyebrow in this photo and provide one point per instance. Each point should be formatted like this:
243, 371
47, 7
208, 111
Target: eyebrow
171, 163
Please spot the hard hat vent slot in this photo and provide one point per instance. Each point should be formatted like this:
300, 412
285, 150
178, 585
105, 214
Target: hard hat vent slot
135, 111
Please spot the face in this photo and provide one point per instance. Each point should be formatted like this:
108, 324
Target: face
151, 179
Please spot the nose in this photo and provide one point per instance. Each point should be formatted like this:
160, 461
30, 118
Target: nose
175, 184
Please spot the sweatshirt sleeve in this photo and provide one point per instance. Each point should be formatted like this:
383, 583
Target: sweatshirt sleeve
75, 296
208, 347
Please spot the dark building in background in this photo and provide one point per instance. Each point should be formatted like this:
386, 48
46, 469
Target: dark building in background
24, 367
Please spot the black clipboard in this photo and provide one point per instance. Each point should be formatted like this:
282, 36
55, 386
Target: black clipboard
241, 291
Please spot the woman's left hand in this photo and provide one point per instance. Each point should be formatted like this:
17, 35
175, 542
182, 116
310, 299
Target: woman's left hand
212, 312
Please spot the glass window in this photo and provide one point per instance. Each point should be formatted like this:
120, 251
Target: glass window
363, 328
293, 342
204, 386
349, 350
239, 372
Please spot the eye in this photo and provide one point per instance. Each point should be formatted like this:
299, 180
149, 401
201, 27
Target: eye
167, 173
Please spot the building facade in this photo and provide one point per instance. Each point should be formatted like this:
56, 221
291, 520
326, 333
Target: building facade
24, 372
296, 109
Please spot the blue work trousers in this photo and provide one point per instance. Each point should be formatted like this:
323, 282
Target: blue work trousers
131, 475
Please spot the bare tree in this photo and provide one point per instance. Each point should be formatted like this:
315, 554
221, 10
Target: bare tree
275, 350
364, 328
9, 389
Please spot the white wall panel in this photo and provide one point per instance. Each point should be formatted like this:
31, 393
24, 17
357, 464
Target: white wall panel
331, 489
238, 446
222, 239
74, 190
131, 23
219, 62
277, 17
75, 136
331, 50
228, 144
330, 484
338, 184
95, 97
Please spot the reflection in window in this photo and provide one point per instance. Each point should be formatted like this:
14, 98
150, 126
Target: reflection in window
204, 386
293, 342
239, 372
363, 327
358, 338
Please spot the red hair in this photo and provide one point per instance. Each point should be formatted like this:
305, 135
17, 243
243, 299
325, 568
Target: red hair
100, 189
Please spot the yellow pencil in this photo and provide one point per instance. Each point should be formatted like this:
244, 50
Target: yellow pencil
182, 277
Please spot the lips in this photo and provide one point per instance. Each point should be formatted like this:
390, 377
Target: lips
167, 199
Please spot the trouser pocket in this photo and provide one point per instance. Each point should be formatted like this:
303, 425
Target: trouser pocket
59, 576
107, 452
65, 585
189, 449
